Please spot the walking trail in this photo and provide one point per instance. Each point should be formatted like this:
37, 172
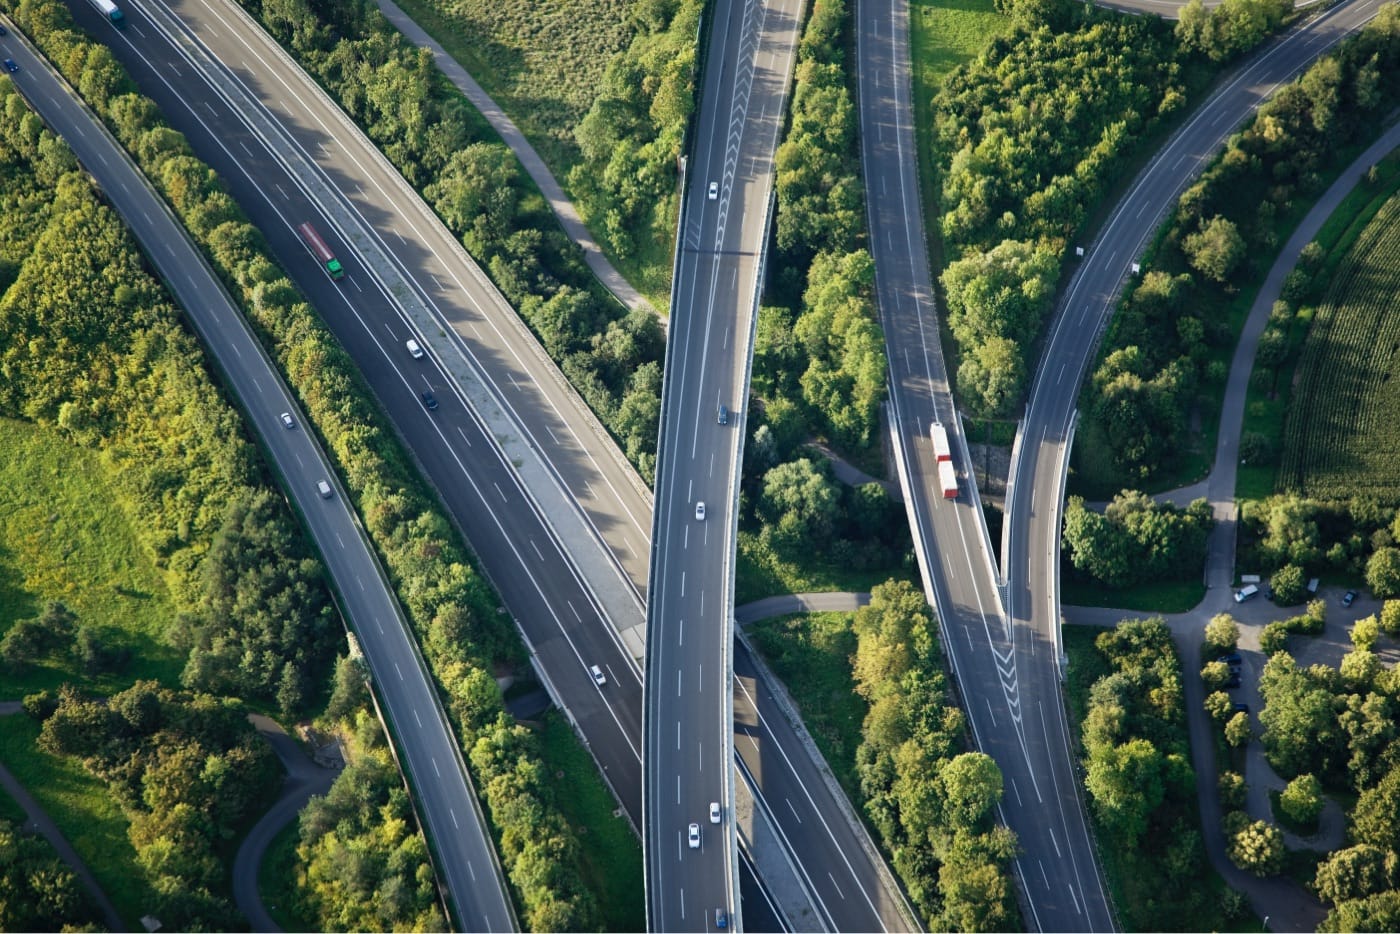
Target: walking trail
40, 822
563, 208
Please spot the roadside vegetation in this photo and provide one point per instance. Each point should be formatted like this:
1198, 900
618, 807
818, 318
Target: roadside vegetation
819, 356
1136, 541
40, 891
450, 606
1168, 348
1125, 692
445, 149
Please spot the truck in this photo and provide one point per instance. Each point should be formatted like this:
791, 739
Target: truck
948, 479
110, 10
318, 248
941, 448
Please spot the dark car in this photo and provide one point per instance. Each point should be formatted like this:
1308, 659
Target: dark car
1233, 659
1234, 681
1348, 598
1240, 708
10, 66
724, 415
430, 400
2, 30
721, 918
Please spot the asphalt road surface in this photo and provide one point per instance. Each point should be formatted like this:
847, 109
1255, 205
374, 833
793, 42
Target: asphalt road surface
689, 721
425, 742
1038, 468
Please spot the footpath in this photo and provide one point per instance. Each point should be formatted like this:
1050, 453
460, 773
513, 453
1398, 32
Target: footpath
559, 203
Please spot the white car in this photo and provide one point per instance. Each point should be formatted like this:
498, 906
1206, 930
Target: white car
700, 511
713, 193
598, 677
714, 812
324, 489
287, 420
695, 836
414, 349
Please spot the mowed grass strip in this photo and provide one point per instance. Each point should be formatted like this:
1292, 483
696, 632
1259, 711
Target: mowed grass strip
541, 61
612, 854
1341, 437
86, 815
811, 653
64, 536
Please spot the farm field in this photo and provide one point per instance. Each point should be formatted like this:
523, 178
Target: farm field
1341, 437
542, 62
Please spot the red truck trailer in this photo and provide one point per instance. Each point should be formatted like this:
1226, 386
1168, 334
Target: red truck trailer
323, 253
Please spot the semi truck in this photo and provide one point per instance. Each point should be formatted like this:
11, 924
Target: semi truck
947, 476
323, 253
948, 479
110, 10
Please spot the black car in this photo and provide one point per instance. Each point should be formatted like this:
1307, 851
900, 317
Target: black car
430, 400
1234, 681
1240, 708
1348, 598
2, 30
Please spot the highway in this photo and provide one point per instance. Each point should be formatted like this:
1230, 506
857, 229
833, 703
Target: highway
465, 853
688, 743
1006, 654
553, 595
1007, 674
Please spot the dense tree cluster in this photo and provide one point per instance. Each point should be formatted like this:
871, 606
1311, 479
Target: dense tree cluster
1335, 730
931, 803
450, 606
38, 892
1141, 785
1230, 29
630, 142
819, 347
92, 348
189, 772
1298, 538
364, 864
1136, 539
1028, 137
1224, 231
631, 138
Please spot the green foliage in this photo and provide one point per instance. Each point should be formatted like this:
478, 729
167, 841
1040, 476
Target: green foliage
1230, 29
1301, 800
1383, 572
1390, 617
1290, 585
1376, 819
1379, 912
1136, 539
1141, 786
929, 804
40, 891
1232, 791
1238, 731
1273, 638
1355, 872
1215, 249
364, 864
1222, 634
631, 137
1257, 848
1316, 536
188, 770
1301, 733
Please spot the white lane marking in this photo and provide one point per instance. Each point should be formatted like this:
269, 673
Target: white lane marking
788, 801
399, 670
417, 718
463, 433
537, 549
835, 886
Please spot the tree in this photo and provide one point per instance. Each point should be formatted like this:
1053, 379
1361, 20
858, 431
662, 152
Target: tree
1003, 292
1383, 572
1215, 674
1237, 730
1376, 817
1216, 249
1258, 848
1379, 912
1290, 585
992, 377
1127, 786
1222, 634
1301, 733
1365, 632
972, 783
1390, 617
801, 502
1218, 706
1232, 790
1301, 800
1273, 638
1354, 872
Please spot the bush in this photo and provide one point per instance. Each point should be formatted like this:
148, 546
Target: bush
1301, 800
1290, 585
1390, 617
1232, 791
1222, 635
1273, 638
1383, 572
1258, 848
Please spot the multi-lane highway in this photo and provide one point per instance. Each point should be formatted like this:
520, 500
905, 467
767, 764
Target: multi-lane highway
688, 744
466, 856
1007, 674
1006, 656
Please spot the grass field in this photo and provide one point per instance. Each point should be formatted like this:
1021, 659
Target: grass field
84, 812
612, 854
541, 61
942, 35
763, 574
811, 653
1157, 597
1340, 438
64, 537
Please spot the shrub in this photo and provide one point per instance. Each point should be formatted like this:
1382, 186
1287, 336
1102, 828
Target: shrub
1301, 800
1290, 585
1258, 848
1273, 638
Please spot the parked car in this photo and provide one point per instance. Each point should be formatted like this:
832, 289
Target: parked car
1234, 681
1233, 659
1348, 598
1240, 708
